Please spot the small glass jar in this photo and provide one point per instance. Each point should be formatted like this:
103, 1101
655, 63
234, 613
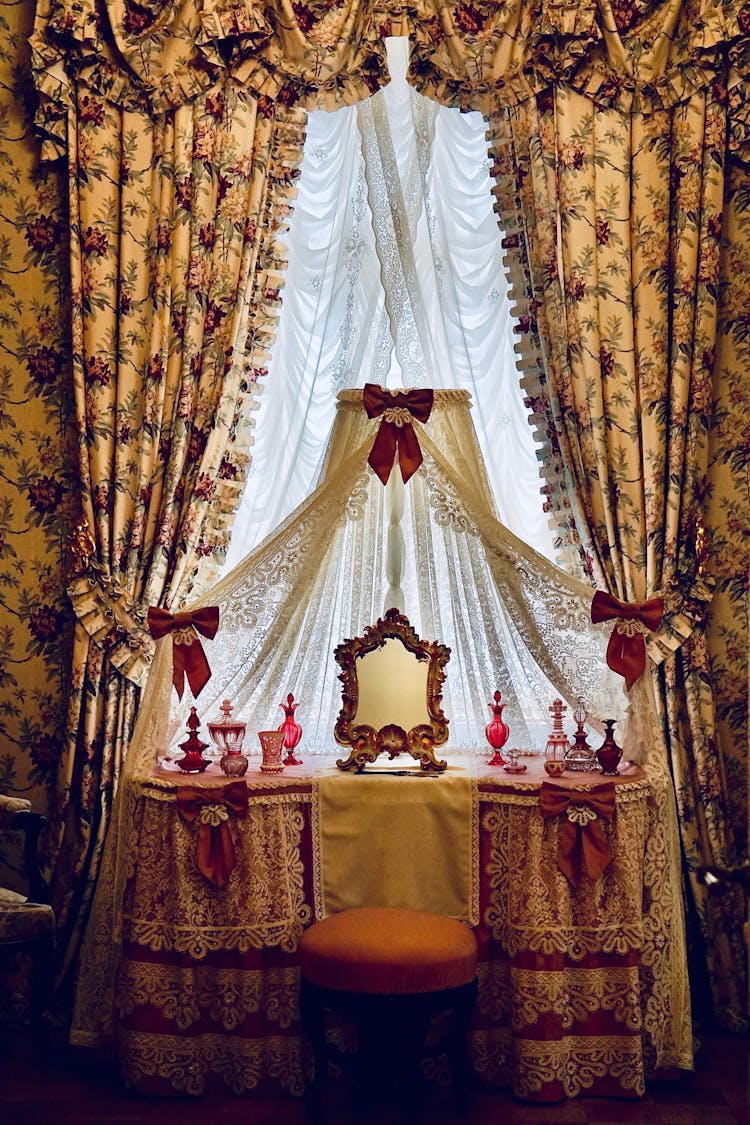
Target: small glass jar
272, 745
227, 734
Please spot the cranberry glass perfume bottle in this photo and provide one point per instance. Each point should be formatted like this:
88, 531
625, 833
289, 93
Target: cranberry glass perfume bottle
228, 735
557, 743
497, 731
193, 747
292, 731
609, 753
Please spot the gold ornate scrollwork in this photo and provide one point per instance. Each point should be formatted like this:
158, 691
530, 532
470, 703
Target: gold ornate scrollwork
82, 548
365, 741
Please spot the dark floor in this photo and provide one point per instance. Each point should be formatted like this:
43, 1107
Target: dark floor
69, 1091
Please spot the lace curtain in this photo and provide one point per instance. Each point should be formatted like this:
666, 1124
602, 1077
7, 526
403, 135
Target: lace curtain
395, 276
512, 620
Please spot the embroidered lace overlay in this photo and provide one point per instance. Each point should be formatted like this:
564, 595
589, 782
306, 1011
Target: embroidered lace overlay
531, 908
262, 905
184, 1063
577, 988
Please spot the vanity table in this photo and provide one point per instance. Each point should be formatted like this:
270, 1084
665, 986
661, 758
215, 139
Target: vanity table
578, 988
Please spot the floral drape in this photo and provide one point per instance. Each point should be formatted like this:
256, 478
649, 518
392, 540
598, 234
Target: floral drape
616, 116
176, 273
619, 223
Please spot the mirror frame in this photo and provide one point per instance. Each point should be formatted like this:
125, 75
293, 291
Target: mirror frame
364, 741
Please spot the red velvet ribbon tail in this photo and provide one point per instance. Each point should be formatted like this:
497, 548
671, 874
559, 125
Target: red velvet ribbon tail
383, 451
216, 856
569, 850
178, 668
626, 655
596, 853
197, 667
409, 452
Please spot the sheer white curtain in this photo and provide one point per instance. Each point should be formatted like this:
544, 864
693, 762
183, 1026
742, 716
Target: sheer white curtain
395, 277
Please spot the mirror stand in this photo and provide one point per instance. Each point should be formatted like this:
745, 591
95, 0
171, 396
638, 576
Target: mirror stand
391, 695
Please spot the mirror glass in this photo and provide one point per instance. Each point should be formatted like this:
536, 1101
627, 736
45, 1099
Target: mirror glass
392, 687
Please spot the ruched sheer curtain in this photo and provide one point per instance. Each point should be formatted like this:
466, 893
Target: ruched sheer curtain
395, 276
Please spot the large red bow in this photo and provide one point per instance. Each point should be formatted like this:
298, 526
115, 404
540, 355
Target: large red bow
626, 651
188, 657
215, 853
581, 834
396, 432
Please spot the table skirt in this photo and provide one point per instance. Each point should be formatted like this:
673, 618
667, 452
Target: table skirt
579, 992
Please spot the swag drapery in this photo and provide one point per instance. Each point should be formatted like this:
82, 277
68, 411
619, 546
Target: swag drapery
395, 264
182, 125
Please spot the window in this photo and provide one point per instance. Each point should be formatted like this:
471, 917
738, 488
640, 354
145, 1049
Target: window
395, 277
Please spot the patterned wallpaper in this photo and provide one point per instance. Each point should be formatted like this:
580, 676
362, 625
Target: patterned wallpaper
37, 460
37, 470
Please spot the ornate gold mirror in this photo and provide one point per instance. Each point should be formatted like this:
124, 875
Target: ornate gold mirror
391, 695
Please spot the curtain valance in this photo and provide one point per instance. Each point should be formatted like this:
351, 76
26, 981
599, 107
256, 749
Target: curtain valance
476, 54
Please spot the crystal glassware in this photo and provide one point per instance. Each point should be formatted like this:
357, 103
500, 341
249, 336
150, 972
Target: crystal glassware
292, 731
497, 731
557, 743
193, 747
609, 753
272, 744
513, 765
580, 757
228, 734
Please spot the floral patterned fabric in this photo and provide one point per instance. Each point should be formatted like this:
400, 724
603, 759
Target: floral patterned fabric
625, 289
176, 274
622, 114
474, 54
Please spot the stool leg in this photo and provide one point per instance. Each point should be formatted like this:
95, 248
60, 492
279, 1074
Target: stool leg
457, 1045
312, 1017
367, 1068
414, 1032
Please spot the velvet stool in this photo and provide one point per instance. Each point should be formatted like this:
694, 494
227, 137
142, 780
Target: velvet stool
391, 972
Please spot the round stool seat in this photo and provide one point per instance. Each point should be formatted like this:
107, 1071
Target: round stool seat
389, 951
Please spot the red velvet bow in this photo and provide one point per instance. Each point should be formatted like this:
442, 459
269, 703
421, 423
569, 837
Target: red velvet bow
215, 853
581, 833
626, 651
188, 657
396, 433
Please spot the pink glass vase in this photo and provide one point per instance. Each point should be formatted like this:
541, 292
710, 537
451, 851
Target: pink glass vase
292, 731
497, 731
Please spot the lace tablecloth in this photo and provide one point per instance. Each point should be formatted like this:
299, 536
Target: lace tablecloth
581, 989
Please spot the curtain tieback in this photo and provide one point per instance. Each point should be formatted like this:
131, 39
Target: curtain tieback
106, 609
581, 835
626, 651
215, 854
396, 433
188, 657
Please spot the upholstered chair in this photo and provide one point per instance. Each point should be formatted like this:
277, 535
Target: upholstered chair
27, 923
391, 972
